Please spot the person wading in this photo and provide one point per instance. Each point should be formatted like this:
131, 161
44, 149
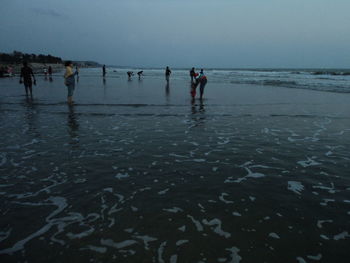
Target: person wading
69, 80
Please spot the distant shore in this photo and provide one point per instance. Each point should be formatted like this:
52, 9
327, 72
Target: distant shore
38, 68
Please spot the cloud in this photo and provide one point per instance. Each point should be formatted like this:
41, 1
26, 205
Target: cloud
49, 12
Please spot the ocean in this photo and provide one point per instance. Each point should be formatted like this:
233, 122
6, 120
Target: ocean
135, 171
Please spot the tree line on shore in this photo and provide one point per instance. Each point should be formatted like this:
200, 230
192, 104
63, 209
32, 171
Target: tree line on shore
17, 57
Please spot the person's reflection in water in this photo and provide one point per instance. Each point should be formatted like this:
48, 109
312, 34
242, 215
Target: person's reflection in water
167, 91
50, 79
197, 116
104, 89
31, 118
73, 125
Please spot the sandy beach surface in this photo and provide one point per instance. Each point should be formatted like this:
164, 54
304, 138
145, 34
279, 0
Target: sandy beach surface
135, 171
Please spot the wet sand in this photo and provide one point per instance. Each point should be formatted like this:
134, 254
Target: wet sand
136, 172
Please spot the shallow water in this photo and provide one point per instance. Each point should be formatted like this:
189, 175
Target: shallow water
136, 172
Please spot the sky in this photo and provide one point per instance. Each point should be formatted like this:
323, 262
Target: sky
182, 33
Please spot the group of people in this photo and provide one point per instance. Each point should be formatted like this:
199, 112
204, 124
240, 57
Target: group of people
131, 73
197, 79
28, 79
6, 71
48, 71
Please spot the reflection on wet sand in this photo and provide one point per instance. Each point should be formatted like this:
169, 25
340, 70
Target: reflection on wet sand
167, 91
31, 117
197, 113
73, 125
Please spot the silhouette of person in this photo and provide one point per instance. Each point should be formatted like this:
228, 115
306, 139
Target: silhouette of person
26, 76
140, 73
167, 74
104, 70
130, 73
50, 71
202, 79
192, 74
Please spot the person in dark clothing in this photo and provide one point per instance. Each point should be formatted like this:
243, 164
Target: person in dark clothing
192, 74
50, 71
167, 74
26, 78
140, 73
130, 73
104, 70
202, 79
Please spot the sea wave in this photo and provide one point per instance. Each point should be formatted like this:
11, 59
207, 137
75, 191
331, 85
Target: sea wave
329, 80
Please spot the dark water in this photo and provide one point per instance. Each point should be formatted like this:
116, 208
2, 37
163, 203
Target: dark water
135, 172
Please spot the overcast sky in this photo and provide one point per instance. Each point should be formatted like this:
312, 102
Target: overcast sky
182, 33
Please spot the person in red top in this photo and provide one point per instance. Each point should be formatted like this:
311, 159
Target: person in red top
26, 78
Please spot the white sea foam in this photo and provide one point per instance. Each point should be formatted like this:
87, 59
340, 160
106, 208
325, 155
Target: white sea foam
274, 235
295, 186
331, 189
61, 204
5, 234
146, 239
121, 176
301, 260
173, 210
82, 234
182, 228
217, 229
252, 198
326, 201
163, 191
117, 245
341, 235
97, 249
316, 258
324, 237
222, 198
181, 242
308, 162
196, 223
161, 251
235, 258
321, 222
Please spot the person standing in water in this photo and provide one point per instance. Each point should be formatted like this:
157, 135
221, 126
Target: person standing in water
202, 82
104, 70
26, 76
192, 74
69, 80
50, 71
167, 74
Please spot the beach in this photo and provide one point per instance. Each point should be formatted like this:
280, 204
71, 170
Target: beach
135, 171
